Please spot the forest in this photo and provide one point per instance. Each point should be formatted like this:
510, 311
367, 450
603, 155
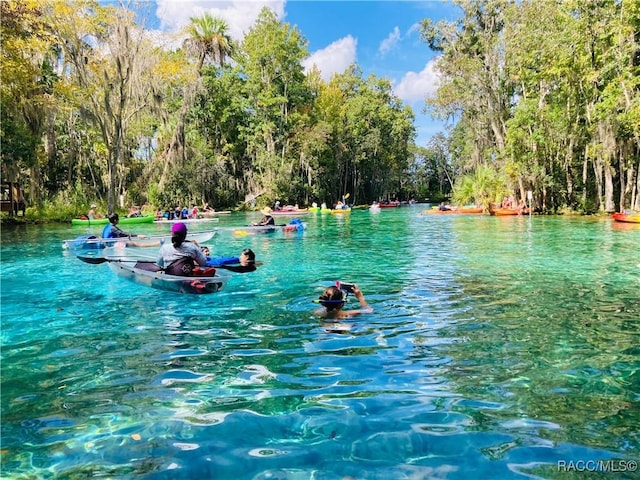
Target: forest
540, 96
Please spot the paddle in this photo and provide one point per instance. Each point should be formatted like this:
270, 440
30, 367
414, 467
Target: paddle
99, 260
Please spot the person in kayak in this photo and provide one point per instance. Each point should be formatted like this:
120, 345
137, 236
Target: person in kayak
93, 212
333, 300
267, 220
180, 256
111, 230
246, 262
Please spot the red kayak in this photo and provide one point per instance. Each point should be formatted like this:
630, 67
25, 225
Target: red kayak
627, 217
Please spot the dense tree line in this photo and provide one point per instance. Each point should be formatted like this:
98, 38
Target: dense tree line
546, 98
119, 118
542, 96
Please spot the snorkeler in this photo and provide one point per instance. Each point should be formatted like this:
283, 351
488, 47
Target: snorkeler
333, 299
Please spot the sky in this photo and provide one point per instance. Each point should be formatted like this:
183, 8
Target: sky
382, 37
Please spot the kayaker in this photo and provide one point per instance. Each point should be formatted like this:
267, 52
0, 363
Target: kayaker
267, 219
93, 213
333, 300
180, 256
111, 230
246, 262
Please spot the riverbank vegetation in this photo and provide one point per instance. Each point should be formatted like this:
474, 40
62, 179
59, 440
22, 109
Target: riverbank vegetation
540, 96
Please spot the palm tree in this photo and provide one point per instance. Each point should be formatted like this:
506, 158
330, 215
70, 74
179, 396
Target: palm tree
207, 37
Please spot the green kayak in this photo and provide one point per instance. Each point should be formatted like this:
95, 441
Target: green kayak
103, 221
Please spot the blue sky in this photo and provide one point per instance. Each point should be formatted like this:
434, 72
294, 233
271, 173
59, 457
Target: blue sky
380, 36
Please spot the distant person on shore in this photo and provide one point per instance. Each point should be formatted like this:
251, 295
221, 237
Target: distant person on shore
267, 219
180, 257
334, 298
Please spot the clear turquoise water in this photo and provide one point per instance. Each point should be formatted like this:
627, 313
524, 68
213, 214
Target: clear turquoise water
498, 348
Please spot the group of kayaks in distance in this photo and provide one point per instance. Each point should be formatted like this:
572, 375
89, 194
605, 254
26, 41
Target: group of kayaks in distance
129, 264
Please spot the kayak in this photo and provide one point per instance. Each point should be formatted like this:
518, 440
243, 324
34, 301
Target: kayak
314, 209
142, 273
502, 212
627, 217
295, 225
341, 211
103, 221
91, 242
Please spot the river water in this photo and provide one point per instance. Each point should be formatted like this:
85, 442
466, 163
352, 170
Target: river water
499, 347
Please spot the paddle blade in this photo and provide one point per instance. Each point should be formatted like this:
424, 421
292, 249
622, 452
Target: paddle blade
92, 260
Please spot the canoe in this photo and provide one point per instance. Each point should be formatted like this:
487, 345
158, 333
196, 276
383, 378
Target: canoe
103, 221
188, 220
389, 205
627, 217
91, 242
162, 281
455, 211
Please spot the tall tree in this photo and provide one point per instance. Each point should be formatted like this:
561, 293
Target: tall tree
275, 87
25, 90
113, 66
207, 40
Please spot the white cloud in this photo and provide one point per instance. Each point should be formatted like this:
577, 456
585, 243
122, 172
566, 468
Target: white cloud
391, 41
335, 58
417, 86
239, 14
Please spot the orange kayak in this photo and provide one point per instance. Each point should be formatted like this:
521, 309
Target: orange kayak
501, 212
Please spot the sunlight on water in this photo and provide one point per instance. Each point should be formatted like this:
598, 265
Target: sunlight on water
498, 347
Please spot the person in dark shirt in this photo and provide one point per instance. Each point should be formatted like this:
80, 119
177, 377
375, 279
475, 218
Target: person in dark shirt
267, 220
111, 230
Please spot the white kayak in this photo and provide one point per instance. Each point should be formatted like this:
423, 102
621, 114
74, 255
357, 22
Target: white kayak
138, 272
91, 242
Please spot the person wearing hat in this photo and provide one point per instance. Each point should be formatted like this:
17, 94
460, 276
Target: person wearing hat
93, 214
180, 256
267, 219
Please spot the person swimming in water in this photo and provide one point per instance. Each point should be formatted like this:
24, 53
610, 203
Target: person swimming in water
333, 299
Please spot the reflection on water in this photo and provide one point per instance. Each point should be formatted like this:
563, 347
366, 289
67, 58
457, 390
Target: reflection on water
498, 347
